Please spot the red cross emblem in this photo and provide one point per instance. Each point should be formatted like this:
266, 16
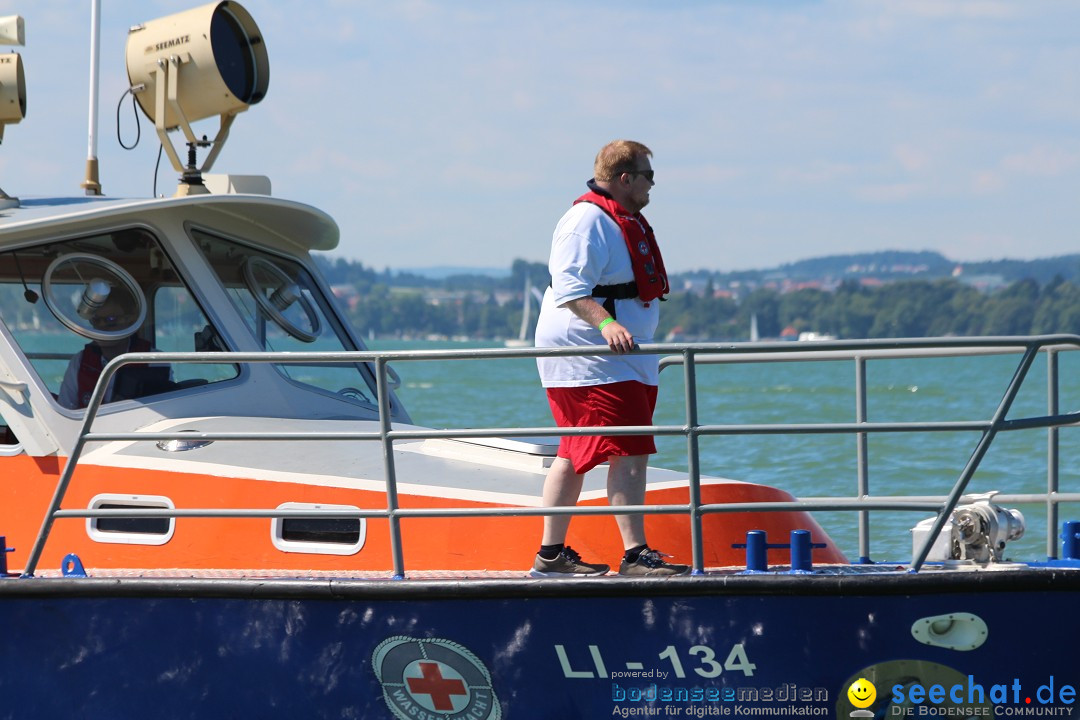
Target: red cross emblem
434, 684
422, 677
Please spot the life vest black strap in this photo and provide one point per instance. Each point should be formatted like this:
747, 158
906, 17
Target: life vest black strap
621, 291
611, 293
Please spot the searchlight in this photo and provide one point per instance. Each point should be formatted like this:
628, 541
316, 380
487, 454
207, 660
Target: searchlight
12, 85
207, 61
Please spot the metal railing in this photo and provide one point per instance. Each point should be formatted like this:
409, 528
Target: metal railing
689, 356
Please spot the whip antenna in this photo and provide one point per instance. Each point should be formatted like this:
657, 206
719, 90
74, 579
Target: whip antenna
91, 184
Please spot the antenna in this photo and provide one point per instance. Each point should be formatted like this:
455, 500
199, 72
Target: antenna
12, 85
207, 61
91, 184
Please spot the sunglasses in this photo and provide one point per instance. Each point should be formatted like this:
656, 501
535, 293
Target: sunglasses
647, 174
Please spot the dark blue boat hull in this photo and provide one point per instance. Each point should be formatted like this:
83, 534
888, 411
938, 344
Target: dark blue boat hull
355, 649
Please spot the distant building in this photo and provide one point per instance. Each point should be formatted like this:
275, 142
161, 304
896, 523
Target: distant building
504, 296
984, 283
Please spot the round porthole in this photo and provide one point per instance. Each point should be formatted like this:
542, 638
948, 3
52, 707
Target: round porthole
93, 296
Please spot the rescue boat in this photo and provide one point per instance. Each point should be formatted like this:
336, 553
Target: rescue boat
238, 517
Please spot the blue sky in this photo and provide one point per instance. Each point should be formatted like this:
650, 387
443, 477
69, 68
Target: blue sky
452, 132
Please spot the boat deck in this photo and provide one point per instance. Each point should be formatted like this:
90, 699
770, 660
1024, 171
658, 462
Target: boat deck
779, 571
847, 581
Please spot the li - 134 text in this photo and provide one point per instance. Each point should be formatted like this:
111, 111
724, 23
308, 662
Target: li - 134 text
701, 660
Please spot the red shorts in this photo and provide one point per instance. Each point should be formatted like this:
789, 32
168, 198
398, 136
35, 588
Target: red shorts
621, 403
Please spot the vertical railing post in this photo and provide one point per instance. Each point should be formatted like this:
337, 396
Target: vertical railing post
693, 466
1053, 458
388, 463
862, 458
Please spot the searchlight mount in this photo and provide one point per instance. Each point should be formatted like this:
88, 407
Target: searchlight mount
186, 67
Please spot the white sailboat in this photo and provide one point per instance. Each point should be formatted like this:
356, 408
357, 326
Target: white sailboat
522, 340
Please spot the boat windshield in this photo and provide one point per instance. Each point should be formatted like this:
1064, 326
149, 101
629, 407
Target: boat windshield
286, 312
74, 305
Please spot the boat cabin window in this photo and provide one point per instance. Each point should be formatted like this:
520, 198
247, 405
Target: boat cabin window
73, 306
131, 530
286, 312
319, 536
7, 437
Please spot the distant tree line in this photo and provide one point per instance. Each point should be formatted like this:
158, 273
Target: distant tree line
394, 304
913, 308
891, 265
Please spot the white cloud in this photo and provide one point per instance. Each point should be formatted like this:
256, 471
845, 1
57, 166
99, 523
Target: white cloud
987, 182
1019, 169
911, 158
1041, 161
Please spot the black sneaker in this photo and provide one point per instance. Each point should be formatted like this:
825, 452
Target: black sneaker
651, 562
567, 564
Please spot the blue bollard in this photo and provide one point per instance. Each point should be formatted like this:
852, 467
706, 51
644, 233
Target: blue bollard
4, 550
1070, 540
800, 550
756, 551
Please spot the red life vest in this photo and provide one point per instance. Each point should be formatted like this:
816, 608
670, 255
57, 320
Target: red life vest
92, 364
649, 272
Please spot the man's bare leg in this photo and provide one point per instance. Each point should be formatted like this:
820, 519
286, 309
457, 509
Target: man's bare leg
561, 487
626, 486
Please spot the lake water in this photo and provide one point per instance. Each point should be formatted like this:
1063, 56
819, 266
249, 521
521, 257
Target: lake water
507, 393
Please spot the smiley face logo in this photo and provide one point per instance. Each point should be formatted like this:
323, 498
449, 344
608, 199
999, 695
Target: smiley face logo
862, 693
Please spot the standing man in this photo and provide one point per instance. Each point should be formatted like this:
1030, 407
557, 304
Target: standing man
607, 278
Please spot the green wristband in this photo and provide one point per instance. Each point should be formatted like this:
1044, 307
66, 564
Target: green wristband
604, 323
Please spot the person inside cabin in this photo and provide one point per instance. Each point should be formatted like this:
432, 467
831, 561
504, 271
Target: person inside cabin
85, 366
607, 278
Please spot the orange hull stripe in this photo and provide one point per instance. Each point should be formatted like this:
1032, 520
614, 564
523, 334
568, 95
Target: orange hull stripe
474, 543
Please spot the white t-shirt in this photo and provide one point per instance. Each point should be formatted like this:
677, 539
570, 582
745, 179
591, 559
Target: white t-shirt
588, 249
